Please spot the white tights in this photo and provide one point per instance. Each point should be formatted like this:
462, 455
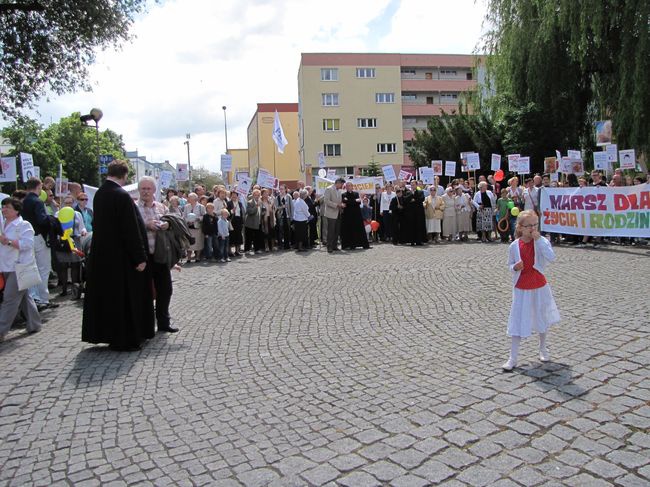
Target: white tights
514, 347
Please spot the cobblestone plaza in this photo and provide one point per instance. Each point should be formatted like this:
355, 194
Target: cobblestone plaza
364, 368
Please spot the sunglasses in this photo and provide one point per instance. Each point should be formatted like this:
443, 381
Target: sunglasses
82, 199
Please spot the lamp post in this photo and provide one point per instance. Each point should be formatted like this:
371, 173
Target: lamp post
225, 131
95, 115
189, 165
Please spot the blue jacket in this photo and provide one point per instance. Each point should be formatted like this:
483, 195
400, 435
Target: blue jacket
34, 212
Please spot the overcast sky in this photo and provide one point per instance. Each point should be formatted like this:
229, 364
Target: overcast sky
191, 57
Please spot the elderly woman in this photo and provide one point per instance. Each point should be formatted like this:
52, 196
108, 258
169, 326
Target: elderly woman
268, 220
86, 213
193, 213
301, 217
175, 206
16, 245
485, 203
433, 210
464, 208
449, 214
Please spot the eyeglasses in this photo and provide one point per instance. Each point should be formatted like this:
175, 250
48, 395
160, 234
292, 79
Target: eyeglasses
82, 199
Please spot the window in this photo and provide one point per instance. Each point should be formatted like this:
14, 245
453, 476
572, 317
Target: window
409, 97
428, 75
329, 74
385, 97
408, 72
448, 72
367, 123
469, 76
365, 72
332, 150
448, 97
429, 100
331, 124
330, 99
386, 148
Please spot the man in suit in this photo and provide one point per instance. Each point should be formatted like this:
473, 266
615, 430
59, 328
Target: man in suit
118, 308
284, 205
331, 212
254, 242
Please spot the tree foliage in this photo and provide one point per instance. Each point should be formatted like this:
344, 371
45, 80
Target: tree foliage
49, 44
67, 142
560, 65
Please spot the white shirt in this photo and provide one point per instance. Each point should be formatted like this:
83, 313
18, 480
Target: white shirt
385, 201
530, 198
22, 231
300, 210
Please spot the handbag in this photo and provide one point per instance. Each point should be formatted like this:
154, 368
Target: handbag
27, 275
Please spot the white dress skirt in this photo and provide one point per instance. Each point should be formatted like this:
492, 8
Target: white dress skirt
433, 225
533, 311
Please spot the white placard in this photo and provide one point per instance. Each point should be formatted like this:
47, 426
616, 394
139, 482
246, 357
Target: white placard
27, 165
512, 162
321, 159
379, 180
627, 159
473, 161
389, 173
243, 187
555, 176
8, 170
426, 175
166, 178
405, 175
322, 173
576, 155
450, 168
37, 172
182, 172
495, 164
565, 165
322, 184
265, 179
601, 161
558, 155
226, 162
523, 165
331, 174
612, 152
437, 168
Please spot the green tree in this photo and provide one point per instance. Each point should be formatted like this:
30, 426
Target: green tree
205, 177
373, 169
49, 44
559, 65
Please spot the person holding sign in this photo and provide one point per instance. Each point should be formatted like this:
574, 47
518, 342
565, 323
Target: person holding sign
533, 305
353, 233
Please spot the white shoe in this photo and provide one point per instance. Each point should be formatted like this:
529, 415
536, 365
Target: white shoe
252, 252
509, 365
544, 355
228, 259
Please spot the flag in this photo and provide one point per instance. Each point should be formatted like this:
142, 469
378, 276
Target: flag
278, 134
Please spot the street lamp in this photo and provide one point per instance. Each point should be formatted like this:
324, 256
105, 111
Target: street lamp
225, 130
189, 166
95, 115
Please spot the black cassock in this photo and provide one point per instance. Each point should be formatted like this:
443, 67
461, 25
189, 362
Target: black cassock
353, 233
118, 306
397, 219
414, 220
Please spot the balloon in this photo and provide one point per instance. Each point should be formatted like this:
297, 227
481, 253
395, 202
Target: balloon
368, 228
374, 224
514, 211
511, 205
191, 217
42, 196
66, 217
419, 189
498, 176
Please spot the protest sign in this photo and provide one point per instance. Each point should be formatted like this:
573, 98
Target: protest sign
405, 175
597, 211
612, 152
495, 164
241, 174
523, 165
512, 162
601, 161
558, 155
450, 168
555, 176
331, 174
243, 187
565, 165
322, 184
182, 172
550, 165
473, 161
389, 173
8, 170
27, 165
166, 178
61, 188
437, 168
90, 192
578, 167
265, 179
379, 180
226, 162
574, 154
603, 132
627, 159
321, 159
363, 185
37, 172
426, 175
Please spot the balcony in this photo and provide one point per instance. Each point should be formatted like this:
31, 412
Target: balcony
424, 110
433, 85
407, 134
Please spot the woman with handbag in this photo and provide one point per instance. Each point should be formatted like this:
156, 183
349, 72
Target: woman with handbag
18, 268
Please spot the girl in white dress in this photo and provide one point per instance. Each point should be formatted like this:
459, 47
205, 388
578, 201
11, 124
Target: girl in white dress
533, 306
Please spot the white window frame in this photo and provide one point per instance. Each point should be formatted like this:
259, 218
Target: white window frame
408, 72
448, 97
367, 123
384, 97
333, 73
410, 97
366, 73
335, 122
448, 72
333, 97
385, 148
331, 153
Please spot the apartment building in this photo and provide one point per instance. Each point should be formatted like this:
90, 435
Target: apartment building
239, 165
262, 151
358, 108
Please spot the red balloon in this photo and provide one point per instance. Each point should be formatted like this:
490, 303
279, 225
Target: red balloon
498, 176
374, 225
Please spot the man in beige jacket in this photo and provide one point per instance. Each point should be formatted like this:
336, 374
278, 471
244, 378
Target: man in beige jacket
332, 211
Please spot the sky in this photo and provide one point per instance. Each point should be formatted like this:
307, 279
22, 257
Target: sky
190, 58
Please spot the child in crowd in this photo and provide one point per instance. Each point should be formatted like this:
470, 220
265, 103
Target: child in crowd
223, 231
505, 221
209, 226
533, 306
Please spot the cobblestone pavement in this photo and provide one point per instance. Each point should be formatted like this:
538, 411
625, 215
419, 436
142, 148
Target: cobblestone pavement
377, 367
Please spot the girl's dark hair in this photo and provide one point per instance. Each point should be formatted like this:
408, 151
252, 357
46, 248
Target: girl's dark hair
14, 202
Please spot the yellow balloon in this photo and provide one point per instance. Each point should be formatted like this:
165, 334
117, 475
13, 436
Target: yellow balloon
66, 214
42, 196
514, 211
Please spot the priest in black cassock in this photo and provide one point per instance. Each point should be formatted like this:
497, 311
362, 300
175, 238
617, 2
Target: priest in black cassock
353, 233
118, 306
